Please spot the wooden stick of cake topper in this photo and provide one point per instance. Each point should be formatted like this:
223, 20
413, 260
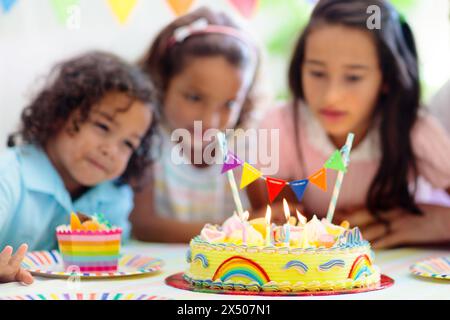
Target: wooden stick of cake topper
234, 189
340, 177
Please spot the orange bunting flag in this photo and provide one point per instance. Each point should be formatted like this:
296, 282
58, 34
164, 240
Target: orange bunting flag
122, 9
180, 7
249, 174
319, 179
274, 187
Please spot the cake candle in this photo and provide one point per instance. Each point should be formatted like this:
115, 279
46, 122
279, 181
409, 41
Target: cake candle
301, 219
287, 226
245, 216
268, 226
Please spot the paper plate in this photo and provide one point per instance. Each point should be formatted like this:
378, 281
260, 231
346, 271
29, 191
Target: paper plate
50, 264
177, 281
85, 296
438, 268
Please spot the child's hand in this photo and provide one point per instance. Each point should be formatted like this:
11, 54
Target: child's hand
400, 227
10, 269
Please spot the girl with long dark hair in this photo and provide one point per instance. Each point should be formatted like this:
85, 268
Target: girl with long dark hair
348, 74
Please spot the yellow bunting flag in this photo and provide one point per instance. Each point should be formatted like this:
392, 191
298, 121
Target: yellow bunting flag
249, 174
180, 7
122, 9
319, 179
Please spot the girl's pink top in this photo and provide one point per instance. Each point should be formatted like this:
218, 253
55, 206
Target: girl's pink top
431, 145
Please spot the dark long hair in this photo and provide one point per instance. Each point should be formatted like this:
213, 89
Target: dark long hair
397, 108
162, 61
78, 84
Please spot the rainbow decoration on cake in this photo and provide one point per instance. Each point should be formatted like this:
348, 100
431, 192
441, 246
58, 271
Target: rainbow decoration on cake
92, 248
202, 258
297, 265
338, 263
361, 267
238, 267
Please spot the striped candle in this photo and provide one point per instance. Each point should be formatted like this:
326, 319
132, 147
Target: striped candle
340, 177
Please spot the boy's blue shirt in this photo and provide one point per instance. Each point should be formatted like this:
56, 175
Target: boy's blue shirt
34, 200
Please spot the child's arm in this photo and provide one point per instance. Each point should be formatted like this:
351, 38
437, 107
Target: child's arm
10, 269
148, 226
400, 227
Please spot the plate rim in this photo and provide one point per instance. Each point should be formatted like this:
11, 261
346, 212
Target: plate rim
93, 275
385, 282
414, 270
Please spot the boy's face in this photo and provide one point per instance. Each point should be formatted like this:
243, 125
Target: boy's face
341, 79
209, 89
102, 146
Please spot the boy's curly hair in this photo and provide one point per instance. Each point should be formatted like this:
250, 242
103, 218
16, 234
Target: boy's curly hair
77, 85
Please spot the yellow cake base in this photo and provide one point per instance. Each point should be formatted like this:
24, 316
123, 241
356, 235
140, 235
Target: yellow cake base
229, 266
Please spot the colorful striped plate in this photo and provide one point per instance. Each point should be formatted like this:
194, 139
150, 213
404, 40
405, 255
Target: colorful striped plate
432, 268
49, 264
85, 296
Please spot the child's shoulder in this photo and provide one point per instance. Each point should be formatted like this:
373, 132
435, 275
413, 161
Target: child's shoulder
431, 146
9, 162
277, 116
8, 156
10, 174
427, 128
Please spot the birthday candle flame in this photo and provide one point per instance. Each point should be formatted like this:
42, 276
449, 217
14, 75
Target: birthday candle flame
287, 212
245, 215
301, 218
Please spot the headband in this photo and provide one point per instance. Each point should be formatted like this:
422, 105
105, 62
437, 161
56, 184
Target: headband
201, 26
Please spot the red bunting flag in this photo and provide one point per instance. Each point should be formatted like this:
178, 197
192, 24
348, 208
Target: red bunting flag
274, 187
246, 7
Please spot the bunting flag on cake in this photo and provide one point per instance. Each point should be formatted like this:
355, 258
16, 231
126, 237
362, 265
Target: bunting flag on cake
231, 162
245, 7
122, 9
335, 162
7, 5
274, 187
319, 179
180, 7
299, 187
62, 9
249, 174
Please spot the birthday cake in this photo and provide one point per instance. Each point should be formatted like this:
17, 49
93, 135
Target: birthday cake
257, 256
90, 244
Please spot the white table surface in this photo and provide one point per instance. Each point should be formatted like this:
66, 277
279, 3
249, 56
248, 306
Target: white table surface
394, 263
